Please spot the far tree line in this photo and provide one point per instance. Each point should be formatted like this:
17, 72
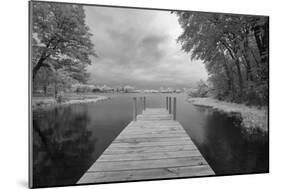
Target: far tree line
234, 49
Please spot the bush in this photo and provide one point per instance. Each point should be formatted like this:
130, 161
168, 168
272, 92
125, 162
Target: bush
201, 91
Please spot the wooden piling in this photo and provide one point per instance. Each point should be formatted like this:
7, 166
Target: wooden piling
141, 105
135, 108
167, 105
144, 103
175, 108
170, 105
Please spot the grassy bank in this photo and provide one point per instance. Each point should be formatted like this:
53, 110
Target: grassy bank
252, 117
67, 99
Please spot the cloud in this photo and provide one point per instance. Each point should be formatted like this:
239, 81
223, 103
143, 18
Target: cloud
138, 47
151, 45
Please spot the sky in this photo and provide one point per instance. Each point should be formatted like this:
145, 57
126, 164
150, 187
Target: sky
139, 48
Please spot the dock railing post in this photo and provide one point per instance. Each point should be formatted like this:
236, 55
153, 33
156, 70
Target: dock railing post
135, 108
141, 104
167, 106
170, 105
144, 103
175, 108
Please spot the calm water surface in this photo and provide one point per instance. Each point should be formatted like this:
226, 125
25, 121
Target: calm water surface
68, 140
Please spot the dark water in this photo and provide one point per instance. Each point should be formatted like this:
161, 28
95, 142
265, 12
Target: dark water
68, 140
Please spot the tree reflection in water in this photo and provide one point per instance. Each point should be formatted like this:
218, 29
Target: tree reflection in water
232, 149
62, 146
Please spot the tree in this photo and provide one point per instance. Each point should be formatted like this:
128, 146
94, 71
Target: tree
229, 46
60, 38
54, 82
43, 80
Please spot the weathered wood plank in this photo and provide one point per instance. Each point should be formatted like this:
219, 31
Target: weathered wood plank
150, 144
147, 156
148, 127
147, 164
154, 146
148, 139
145, 149
145, 174
158, 132
153, 127
140, 135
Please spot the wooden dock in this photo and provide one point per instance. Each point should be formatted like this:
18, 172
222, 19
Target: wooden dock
153, 146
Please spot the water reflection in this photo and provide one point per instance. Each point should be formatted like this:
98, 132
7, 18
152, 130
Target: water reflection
232, 149
68, 140
61, 146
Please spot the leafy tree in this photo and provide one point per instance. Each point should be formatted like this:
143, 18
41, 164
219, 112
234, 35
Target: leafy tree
60, 39
234, 49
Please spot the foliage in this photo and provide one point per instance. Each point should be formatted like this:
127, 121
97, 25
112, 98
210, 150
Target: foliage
201, 90
234, 49
61, 44
53, 82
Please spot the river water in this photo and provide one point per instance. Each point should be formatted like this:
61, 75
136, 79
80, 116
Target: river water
68, 140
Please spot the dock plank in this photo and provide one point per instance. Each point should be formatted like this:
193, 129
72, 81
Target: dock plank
148, 139
147, 144
147, 164
152, 155
152, 147
168, 148
146, 174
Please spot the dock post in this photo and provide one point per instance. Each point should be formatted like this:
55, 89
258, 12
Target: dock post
141, 104
170, 105
175, 108
167, 105
135, 109
144, 103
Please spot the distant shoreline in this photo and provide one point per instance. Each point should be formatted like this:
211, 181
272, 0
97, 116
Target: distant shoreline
49, 102
252, 117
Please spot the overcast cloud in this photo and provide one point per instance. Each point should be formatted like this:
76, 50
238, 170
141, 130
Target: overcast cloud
138, 47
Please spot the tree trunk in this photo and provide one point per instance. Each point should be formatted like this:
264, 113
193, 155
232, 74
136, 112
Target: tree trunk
261, 33
237, 64
36, 68
39, 64
249, 74
245, 54
240, 78
229, 78
43, 57
257, 62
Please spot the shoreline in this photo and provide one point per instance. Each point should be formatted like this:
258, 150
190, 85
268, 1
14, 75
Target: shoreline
47, 102
252, 117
